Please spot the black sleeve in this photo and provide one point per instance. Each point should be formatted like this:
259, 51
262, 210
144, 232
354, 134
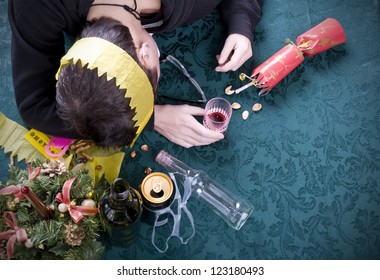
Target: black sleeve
241, 16
38, 28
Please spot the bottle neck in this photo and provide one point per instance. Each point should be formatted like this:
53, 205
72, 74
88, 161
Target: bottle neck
174, 165
120, 193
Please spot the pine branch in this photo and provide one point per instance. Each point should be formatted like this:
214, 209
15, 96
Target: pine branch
26, 215
82, 186
59, 249
3, 204
91, 226
89, 250
48, 233
16, 175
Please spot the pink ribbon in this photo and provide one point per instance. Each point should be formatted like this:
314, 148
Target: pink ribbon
76, 212
13, 235
16, 189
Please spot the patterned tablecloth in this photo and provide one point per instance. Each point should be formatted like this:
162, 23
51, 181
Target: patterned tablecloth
309, 161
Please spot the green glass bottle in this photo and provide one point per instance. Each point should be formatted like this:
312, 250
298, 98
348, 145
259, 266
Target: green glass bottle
122, 205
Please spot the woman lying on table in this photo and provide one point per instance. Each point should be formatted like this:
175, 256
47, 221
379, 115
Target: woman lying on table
104, 87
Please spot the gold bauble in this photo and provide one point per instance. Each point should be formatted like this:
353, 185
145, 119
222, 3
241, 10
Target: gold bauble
90, 194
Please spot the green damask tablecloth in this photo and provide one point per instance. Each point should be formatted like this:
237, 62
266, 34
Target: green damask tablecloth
309, 161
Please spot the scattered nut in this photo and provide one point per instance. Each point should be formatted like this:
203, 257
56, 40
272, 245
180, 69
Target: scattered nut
228, 90
148, 170
256, 107
88, 157
78, 143
245, 115
98, 167
133, 154
235, 105
144, 147
84, 147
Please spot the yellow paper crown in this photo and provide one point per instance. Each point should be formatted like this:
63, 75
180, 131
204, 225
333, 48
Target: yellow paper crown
116, 63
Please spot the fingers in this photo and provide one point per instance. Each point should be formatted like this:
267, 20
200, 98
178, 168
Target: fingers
197, 131
237, 59
236, 50
193, 134
203, 136
190, 141
195, 111
226, 52
177, 123
232, 65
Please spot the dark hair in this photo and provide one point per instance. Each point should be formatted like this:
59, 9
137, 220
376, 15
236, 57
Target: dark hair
94, 107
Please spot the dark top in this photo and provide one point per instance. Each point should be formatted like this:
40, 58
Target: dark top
38, 43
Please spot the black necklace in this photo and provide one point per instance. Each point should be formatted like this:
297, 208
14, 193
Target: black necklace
133, 11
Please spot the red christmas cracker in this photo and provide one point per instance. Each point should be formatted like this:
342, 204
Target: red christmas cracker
323, 36
277, 67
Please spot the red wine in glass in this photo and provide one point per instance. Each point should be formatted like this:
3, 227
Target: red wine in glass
216, 119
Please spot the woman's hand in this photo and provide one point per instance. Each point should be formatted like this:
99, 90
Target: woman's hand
237, 50
177, 123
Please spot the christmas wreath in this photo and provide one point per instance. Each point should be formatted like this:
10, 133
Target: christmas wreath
50, 212
49, 209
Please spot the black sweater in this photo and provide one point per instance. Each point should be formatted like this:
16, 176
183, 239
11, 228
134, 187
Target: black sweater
38, 43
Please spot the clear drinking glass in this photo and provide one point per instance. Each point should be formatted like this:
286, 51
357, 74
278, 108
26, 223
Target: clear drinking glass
218, 114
